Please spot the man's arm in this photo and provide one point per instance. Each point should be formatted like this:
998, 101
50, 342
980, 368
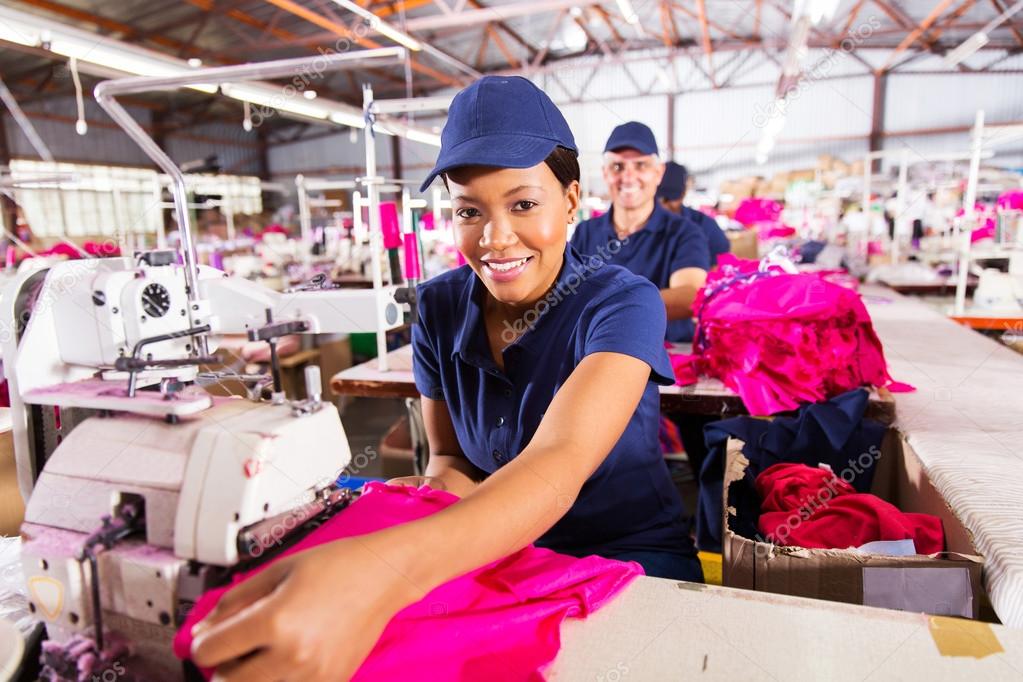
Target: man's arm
681, 292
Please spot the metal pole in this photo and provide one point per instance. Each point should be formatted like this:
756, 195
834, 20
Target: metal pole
106, 91
969, 204
305, 218
900, 203
24, 123
373, 199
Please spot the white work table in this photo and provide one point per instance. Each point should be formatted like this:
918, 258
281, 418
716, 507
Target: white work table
965, 422
663, 630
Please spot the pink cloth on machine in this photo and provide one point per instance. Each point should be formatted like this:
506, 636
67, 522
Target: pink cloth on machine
781, 340
499, 622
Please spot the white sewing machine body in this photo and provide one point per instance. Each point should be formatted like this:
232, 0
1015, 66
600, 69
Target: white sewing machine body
217, 482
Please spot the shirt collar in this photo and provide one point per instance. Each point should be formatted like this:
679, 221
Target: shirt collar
471, 339
655, 223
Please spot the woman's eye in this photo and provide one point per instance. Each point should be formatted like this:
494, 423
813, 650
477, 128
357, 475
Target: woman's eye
525, 205
467, 213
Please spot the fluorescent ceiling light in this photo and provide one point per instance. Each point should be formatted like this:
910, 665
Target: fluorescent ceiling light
980, 38
346, 119
118, 59
14, 33
424, 137
380, 26
625, 7
968, 47
267, 96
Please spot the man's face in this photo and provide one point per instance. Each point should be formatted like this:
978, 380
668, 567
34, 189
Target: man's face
632, 177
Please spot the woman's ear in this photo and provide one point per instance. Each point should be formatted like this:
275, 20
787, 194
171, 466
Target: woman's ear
572, 200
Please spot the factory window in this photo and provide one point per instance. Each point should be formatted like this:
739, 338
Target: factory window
80, 200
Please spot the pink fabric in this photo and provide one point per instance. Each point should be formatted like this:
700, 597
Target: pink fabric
986, 231
782, 340
810, 507
1011, 200
499, 622
753, 210
773, 229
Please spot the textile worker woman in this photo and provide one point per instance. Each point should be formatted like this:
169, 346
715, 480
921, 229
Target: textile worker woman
538, 373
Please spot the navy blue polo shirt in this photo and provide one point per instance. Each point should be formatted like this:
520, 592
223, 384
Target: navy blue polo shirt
629, 503
717, 242
665, 244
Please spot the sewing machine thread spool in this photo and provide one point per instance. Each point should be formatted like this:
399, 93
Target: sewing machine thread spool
389, 224
313, 386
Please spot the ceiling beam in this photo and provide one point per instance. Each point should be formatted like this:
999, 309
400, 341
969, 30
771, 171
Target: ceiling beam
514, 35
716, 27
708, 50
1012, 26
849, 22
105, 23
343, 31
512, 60
666, 36
916, 33
486, 15
931, 39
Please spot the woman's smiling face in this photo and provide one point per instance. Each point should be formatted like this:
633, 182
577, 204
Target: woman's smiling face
511, 224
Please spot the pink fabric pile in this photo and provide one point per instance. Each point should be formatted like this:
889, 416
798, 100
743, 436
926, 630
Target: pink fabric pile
499, 622
764, 216
781, 340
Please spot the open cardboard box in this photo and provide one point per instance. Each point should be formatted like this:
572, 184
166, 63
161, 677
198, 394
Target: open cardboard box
840, 575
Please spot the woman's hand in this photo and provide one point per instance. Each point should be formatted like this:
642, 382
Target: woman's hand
312, 616
419, 481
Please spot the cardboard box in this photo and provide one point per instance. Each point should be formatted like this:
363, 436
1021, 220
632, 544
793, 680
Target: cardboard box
12, 507
840, 575
744, 243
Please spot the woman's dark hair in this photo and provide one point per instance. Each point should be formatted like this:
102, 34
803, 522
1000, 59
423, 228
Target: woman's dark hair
564, 163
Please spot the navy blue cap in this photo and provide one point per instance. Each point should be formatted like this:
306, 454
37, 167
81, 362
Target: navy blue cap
632, 135
500, 121
673, 184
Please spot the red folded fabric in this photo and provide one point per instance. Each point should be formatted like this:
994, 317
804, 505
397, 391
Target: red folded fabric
499, 622
781, 340
810, 507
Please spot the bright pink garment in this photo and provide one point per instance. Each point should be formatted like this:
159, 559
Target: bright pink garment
753, 210
810, 507
389, 224
1011, 199
781, 340
499, 622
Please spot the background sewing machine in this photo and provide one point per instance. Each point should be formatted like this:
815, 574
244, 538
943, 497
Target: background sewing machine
143, 490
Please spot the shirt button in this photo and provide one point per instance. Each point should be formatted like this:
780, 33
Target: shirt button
507, 393
498, 456
500, 421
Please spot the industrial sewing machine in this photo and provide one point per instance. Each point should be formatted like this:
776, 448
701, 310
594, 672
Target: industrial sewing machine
143, 490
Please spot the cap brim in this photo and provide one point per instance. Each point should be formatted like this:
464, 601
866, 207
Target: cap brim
495, 151
630, 144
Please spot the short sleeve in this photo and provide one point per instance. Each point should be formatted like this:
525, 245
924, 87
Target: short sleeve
717, 241
425, 359
690, 247
631, 321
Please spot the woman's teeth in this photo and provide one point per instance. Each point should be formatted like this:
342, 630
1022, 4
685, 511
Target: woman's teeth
505, 267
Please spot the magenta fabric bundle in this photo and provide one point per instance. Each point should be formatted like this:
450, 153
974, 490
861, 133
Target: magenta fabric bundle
499, 622
781, 340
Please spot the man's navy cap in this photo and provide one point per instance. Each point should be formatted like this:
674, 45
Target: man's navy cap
673, 184
500, 121
632, 135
